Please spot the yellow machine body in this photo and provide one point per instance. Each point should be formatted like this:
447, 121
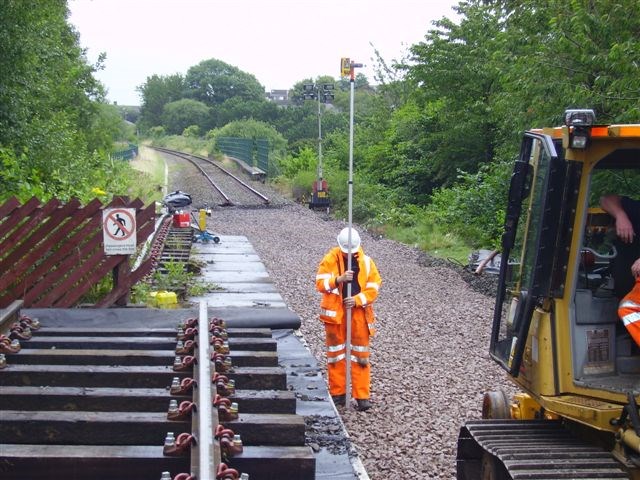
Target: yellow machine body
555, 328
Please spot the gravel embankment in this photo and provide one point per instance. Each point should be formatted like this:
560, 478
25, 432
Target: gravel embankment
430, 362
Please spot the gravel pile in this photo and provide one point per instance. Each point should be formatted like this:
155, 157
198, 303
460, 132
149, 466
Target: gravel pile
430, 362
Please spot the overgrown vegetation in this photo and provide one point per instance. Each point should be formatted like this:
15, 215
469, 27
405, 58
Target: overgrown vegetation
56, 130
434, 140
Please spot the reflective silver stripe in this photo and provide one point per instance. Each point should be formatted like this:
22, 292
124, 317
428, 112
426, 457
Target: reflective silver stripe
327, 284
322, 276
363, 298
628, 304
328, 313
354, 359
367, 264
336, 359
360, 348
335, 291
373, 285
360, 360
335, 348
631, 318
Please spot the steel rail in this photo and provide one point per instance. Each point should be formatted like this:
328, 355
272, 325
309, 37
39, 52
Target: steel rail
204, 422
249, 187
227, 200
9, 315
190, 157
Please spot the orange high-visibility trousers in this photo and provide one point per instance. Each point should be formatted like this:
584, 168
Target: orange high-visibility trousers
335, 340
629, 311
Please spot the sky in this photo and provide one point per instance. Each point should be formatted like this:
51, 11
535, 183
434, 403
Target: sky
280, 42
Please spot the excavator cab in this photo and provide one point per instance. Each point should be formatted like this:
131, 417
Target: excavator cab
556, 329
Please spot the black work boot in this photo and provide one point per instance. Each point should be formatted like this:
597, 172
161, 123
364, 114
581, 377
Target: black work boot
363, 404
339, 400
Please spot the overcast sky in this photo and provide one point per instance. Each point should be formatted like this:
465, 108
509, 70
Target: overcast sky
280, 42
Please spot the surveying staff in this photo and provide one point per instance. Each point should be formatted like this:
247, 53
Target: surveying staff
626, 267
332, 280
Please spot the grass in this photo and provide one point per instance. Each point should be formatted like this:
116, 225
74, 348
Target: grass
152, 167
430, 239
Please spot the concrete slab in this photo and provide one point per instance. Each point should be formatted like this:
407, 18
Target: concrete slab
239, 287
236, 277
228, 257
235, 267
241, 300
240, 266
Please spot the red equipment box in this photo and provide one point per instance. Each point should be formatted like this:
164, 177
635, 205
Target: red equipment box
181, 220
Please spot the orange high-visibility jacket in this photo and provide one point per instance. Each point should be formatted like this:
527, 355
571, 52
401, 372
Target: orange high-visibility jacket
331, 267
333, 313
629, 311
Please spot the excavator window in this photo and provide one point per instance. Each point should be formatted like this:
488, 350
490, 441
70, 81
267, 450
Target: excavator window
529, 241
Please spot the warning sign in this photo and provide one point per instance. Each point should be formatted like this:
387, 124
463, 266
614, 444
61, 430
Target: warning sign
119, 231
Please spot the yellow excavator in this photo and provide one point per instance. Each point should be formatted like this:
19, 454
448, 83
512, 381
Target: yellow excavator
556, 329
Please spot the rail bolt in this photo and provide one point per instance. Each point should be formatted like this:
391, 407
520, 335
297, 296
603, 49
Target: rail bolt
175, 386
170, 440
3, 360
165, 476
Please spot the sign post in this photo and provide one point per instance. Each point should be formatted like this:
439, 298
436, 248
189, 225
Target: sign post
119, 231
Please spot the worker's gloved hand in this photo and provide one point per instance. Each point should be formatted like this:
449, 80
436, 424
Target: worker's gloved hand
349, 302
345, 277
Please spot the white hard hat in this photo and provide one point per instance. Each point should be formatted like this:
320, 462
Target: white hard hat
343, 240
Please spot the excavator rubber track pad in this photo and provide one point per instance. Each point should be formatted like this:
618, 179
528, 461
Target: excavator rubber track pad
533, 449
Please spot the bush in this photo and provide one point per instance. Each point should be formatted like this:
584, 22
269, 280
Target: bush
474, 208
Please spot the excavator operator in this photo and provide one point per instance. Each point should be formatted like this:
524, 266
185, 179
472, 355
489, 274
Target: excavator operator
626, 266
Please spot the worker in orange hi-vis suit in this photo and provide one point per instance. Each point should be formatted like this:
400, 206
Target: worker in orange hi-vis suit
626, 212
629, 311
331, 280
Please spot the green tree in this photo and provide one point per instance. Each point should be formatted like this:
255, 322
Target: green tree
213, 82
156, 92
54, 126
178, 115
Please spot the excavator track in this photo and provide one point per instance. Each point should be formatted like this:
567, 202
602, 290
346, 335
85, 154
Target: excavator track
529, 449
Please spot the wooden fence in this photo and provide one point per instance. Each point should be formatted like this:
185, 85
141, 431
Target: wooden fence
52, 254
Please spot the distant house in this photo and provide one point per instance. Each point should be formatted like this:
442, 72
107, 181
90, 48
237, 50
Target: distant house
281, 97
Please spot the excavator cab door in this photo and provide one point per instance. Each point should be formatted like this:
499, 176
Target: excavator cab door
528, 246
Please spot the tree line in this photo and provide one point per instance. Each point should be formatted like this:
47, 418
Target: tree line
434, 137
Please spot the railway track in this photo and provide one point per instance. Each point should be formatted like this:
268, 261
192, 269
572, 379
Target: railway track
136, 397
228, 189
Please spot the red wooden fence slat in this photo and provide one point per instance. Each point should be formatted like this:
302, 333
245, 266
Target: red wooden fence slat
22, 275
16, 217
9, 206
21, 235
59, 254
35, 283
39, 243
68, 269
96, 267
